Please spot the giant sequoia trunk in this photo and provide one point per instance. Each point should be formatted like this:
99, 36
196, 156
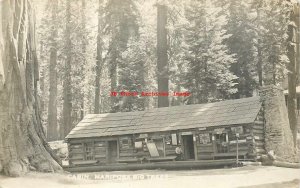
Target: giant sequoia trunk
83, 47
67, 104
162, 55
52, 133
22, 140
292, 76
98, 62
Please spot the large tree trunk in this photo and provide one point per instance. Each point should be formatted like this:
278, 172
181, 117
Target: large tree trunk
162, 55
292, 76
297, 19
98, 62
83, 25
22, 140
67, 104
52, 133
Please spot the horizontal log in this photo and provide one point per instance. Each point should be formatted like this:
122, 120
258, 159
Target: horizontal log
240, 149
233, 142
127, 151
205, 157
100, 151
76, 150
205, 150
204, 146
75, 146
100, 144
259, 144
100, 155
258, 127
286, 164
258, 122
127, 154
75, 157
260, 151
159, 165
259, 136
258, 132
170, 152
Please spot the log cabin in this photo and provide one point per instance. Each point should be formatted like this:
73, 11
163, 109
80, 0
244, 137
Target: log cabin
210, 131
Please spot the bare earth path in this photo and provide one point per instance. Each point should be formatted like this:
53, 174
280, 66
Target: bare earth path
245, 177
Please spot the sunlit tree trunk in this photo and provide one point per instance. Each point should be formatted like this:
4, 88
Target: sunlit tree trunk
52, 133
292, 75
83, 25
67, 95
98, 61
162, 55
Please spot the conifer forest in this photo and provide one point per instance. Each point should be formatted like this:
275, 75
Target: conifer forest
63, 59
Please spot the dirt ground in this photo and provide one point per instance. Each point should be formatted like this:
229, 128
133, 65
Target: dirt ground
244, 177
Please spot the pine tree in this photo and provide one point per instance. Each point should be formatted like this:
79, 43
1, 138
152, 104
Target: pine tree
241, 43
120, 23
208, 60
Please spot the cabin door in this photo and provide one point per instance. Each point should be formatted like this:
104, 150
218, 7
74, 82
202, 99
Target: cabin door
221, 143
188, 147
112, 154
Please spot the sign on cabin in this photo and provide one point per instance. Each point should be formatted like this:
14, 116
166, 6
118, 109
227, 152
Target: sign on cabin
174, 139
138, 145
204, 138
238, 130
186, 133
219, 130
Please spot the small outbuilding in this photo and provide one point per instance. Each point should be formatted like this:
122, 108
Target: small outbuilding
201, 132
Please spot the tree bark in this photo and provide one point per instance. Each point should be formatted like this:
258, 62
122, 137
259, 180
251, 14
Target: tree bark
292, 77
83, 25
67, 104
23, 143
98, 62
52, 133
162, 56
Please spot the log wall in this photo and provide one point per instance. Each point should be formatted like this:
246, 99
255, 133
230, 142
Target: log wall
258, 134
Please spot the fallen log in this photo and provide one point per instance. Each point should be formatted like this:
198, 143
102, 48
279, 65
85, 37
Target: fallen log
250, 163
286, 164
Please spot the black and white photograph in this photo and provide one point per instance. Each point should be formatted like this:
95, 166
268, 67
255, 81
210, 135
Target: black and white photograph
149, 93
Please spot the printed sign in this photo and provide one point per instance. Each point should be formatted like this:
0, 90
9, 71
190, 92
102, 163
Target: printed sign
138, 145
238, 129
204, 138
219, 130
174, 139
186, 133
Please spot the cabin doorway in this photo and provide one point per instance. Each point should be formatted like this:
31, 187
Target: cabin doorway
221, 143
188, 147
112, 153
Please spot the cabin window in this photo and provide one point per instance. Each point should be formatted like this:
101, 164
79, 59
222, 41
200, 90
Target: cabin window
88, 151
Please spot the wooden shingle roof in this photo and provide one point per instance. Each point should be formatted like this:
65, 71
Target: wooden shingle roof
230, 112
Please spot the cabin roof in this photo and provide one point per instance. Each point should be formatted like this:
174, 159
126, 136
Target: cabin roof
230, 112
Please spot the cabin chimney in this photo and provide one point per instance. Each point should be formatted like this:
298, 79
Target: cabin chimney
278, 135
